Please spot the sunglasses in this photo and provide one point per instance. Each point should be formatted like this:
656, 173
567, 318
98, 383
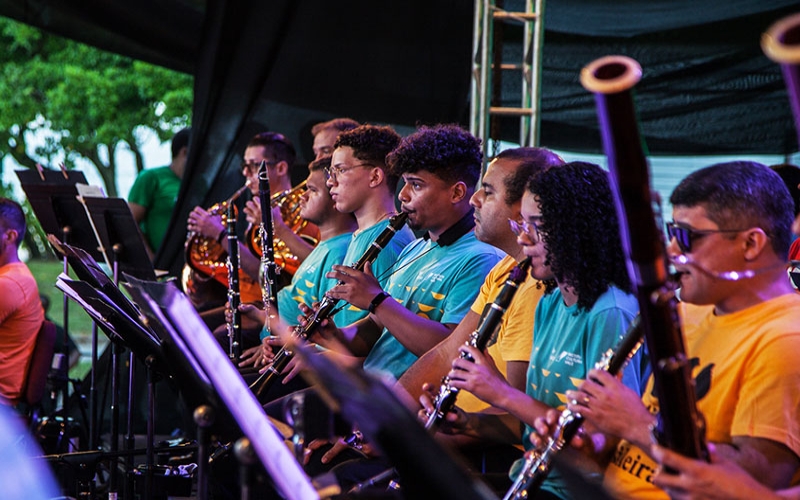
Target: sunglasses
685, 236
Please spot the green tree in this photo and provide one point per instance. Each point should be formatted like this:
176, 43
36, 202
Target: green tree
80, 102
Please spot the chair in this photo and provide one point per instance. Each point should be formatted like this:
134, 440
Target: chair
39, 368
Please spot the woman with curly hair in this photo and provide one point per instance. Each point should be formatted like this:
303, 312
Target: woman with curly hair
569, 229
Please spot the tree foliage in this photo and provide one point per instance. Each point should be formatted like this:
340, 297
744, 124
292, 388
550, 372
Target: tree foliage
77, 102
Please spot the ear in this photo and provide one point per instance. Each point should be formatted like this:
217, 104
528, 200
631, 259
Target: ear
755, 243
282, 168
376, 176
459, 192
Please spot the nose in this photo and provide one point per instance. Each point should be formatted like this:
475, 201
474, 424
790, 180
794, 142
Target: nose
331, 181
403, 194
673, 250
524, 240
477, 198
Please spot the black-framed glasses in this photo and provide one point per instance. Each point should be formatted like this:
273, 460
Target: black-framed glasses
529, 229
685, 236
255, 166
333, 171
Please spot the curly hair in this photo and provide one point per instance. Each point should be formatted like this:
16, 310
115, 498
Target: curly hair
371, 144
447, 151
741, 195
580, 230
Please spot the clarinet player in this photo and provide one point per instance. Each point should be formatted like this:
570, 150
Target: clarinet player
569, 229
729, 237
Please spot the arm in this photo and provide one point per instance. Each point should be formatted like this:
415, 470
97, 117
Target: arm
300, 247
771, 462
417, 334
432, 366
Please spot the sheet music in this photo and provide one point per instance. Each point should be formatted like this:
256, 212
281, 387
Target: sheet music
243, 405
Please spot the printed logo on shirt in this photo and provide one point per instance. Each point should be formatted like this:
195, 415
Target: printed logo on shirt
567, 358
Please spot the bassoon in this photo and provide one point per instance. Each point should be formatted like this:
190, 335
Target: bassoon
324, 309
445, 399
681, 427
537, 463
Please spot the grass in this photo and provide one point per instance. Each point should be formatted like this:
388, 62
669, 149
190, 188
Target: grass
80, 324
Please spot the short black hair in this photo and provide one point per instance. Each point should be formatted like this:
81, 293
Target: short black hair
741, 195
12, 217
371, 144
529, 161
447, 151
277, 147
180, 140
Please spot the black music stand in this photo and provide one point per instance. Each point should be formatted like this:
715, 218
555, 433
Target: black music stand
120, 237
54, 198
181, 322
420, 461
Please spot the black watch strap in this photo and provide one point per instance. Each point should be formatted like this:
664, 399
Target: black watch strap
377, 301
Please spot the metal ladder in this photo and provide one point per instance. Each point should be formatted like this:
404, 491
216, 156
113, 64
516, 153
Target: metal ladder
483, 66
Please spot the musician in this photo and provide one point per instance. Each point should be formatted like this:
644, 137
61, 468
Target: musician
279, 154
360, 184
326, 133
308, 283
569, 229
21, 312
154, 193
437, 277
497, 201
742, 335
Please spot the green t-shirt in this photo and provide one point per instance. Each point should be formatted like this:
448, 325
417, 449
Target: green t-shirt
156, 189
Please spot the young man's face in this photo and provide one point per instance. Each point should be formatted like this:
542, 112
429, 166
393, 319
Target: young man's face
253, 156
315, 202
323, 142
491, 211
349, 180
428, 200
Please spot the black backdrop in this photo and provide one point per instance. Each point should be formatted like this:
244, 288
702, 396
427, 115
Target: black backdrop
286, 64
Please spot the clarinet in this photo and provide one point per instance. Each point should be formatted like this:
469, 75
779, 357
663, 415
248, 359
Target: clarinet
681, 427
323, 311
269, 269
235, 326
538, 464
445, 399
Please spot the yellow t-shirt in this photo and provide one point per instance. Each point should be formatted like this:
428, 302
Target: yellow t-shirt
515, 334
746, 367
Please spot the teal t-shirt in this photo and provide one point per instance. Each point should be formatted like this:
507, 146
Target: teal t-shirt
309, 283
381, 268
436, 282
567, 342
156, 189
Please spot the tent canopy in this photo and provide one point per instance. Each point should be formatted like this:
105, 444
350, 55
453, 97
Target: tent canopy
286, 64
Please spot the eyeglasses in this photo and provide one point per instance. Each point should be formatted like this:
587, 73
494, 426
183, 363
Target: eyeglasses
254, 166
685, 236
529, 229
335, 171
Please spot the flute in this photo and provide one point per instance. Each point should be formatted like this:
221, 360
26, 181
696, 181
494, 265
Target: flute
326, 306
